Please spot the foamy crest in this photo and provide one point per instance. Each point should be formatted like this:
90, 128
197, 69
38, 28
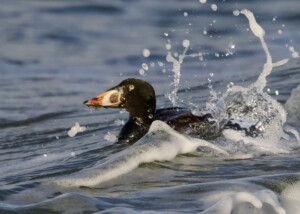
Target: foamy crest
159, 144
245, 202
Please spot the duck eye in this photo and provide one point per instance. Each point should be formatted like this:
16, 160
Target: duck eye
114, 98
131, 87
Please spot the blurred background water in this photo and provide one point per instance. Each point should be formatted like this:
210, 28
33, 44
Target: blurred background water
57, 53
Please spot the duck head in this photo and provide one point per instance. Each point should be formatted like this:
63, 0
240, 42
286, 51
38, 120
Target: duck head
134, 95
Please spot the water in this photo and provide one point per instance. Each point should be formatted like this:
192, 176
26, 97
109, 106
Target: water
56, 54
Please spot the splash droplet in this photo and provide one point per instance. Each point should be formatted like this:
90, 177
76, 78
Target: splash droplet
186, 43
168, 46
146, 52
236, 12
145, 66
142, 72
214, 7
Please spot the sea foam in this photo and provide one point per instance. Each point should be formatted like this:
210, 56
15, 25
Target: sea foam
159, 144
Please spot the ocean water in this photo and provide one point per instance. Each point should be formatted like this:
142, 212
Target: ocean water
204, 55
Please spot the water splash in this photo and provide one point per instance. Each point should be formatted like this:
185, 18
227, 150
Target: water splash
176, 63
250, 107
161, 143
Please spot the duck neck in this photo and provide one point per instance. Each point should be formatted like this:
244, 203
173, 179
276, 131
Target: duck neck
142, 116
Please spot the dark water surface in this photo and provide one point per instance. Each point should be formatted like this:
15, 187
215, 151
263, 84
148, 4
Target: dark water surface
56, 54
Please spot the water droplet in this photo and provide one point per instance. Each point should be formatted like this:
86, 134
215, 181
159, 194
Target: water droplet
186, 43
214, 7
168, 46
236, 12
145, 66
146, 52
142, 72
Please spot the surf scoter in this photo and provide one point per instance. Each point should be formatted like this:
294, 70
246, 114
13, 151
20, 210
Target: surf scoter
138, 98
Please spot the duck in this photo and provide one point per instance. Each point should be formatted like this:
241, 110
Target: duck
138, 98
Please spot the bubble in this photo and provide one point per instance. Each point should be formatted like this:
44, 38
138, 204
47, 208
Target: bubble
205, 32
211, 74
142, 72
236, 12
214, 7
57, 137
146, 52
73, 154
168, 46
279, 32
145, 66
217, 54
276, 92
166, 34
185, 14
45, 155
274, 18
202, 1
186, 43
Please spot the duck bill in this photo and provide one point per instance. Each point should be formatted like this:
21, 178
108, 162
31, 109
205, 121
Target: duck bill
110, 98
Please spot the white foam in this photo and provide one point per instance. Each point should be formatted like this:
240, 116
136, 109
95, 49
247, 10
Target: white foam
245, 202
292, 106
76, 129
159, 144
290, 197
